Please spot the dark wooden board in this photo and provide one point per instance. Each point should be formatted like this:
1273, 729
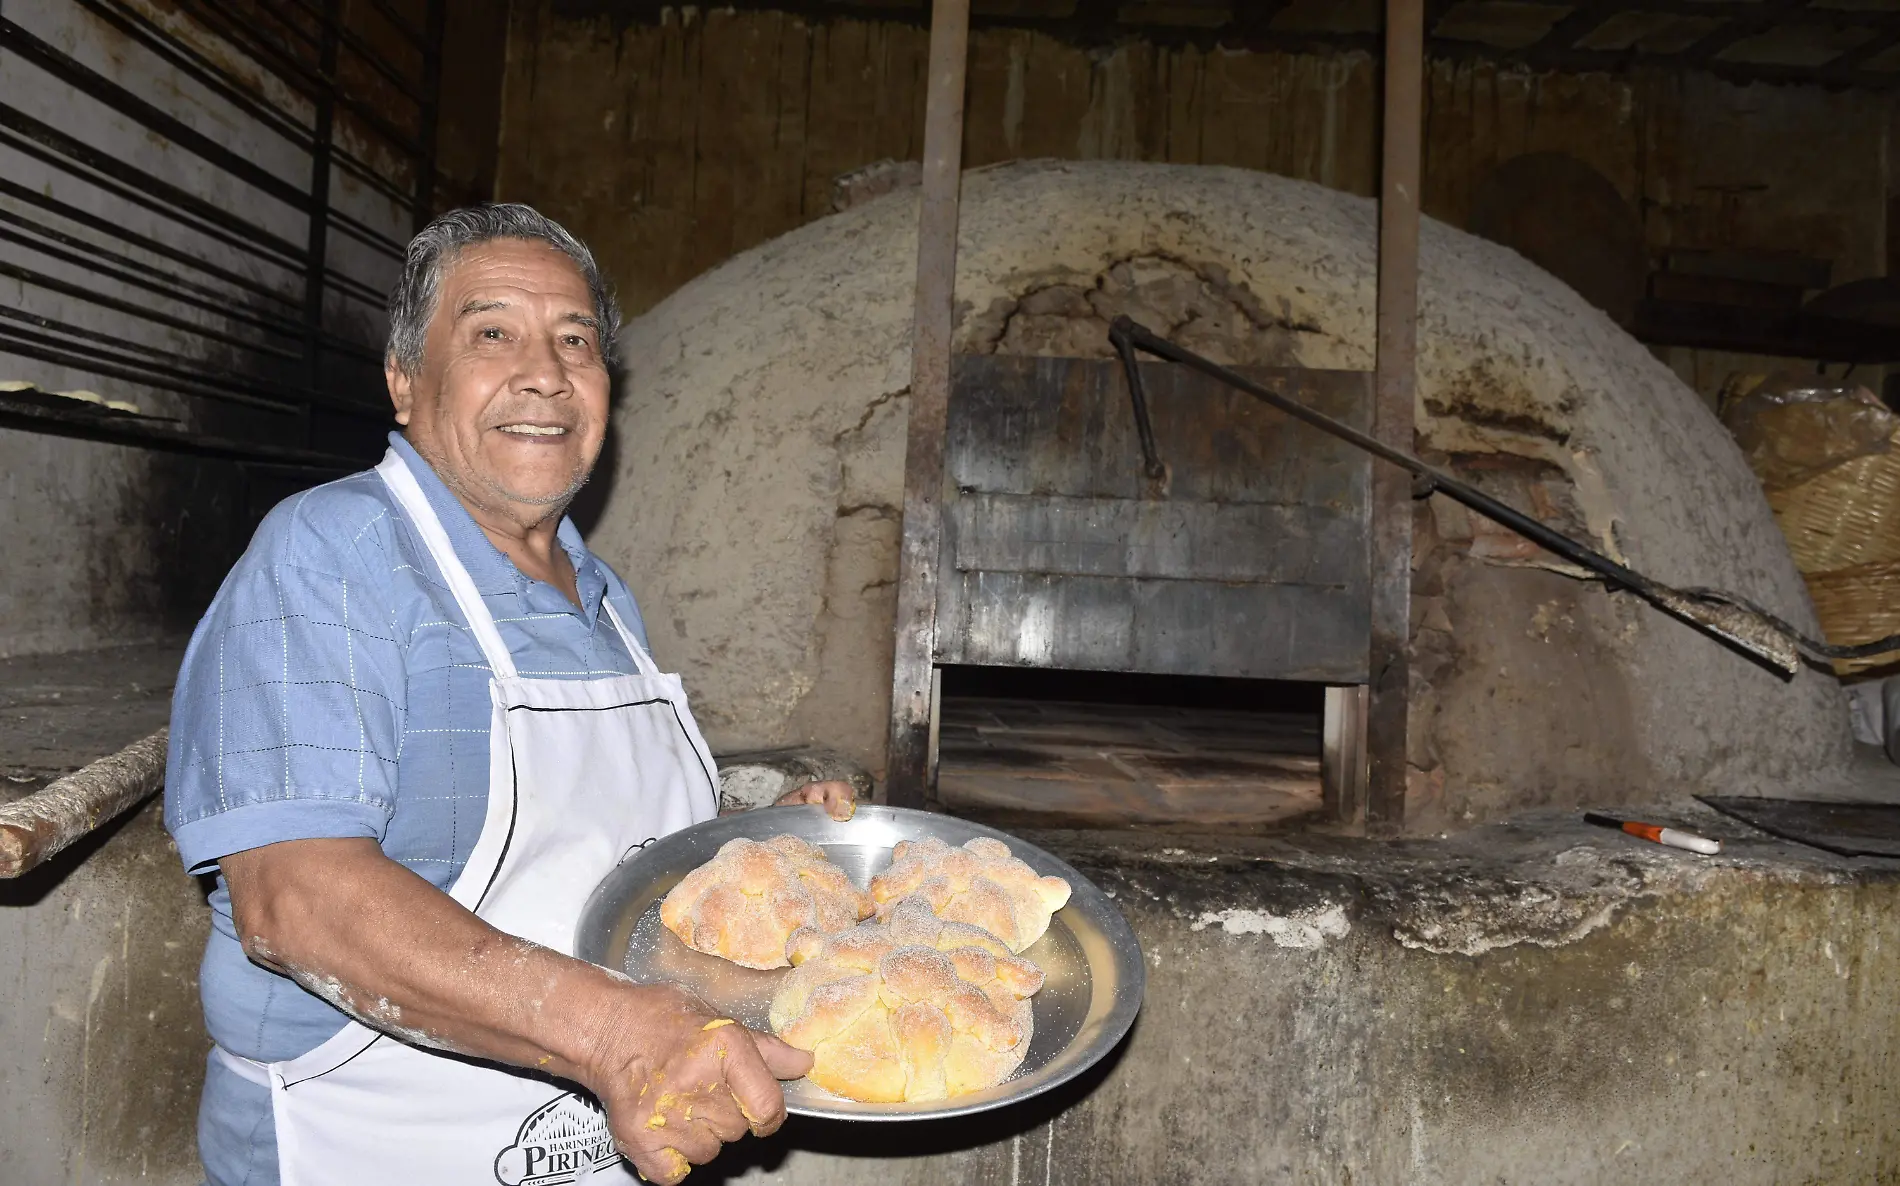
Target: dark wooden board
1166, 540
1255, 630
1064, 426
1058, 552
1851, 829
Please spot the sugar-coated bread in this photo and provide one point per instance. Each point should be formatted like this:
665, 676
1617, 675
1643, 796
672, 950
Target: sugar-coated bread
979, 884
978, 956
911, 1012
752, 897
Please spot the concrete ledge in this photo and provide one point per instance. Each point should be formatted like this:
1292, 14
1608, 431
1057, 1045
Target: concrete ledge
1537, 1001
1529, 1002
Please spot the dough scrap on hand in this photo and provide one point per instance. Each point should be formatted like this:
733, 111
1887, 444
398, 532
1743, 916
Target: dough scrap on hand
746, 903
980, 884
911, 1012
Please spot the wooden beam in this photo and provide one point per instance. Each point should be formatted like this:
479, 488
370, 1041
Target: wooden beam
1396, 360
1782, 333
1844, 68
1759, 18
1584, 19
907, 773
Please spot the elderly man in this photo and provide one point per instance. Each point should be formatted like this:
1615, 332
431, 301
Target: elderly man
415, 729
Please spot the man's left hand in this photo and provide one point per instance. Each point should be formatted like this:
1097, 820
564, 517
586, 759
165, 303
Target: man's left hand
838, 798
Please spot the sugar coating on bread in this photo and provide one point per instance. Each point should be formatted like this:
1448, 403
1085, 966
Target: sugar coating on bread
890, 1018
754, 896
980, 884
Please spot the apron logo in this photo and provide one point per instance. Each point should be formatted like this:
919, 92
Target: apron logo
564, 1140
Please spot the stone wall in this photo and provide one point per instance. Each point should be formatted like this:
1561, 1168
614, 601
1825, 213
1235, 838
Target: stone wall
110, 545
104, 1037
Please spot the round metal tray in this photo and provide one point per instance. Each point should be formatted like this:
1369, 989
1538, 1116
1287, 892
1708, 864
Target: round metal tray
1091, 960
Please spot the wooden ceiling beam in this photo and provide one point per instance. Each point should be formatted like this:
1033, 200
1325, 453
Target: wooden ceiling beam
1766, 15
1250, 27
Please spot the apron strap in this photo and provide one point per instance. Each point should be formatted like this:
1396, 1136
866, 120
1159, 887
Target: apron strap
395, 474
641, 659
247, 1069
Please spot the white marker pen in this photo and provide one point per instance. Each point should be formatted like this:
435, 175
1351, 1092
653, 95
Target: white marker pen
1673, 837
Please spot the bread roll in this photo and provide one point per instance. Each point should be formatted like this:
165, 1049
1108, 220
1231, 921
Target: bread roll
751, 898
980, 884
915, 1011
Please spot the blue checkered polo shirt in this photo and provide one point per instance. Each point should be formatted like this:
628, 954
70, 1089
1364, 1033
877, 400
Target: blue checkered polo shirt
332, 690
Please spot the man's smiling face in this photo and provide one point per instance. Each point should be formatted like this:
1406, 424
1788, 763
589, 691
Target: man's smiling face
509, 404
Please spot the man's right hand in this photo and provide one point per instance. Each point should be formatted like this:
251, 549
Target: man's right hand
678, 1080
397, 953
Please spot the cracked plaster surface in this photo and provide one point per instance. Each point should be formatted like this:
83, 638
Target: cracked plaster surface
761, 438
1542, 879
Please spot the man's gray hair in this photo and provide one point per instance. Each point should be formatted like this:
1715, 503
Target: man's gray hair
412, 302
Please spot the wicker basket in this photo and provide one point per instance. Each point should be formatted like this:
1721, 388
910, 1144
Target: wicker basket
1847, 517
1858, 605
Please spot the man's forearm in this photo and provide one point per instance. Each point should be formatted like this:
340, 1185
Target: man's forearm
401, 956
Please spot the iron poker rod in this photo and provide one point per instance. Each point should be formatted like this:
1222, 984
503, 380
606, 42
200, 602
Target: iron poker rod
1732, 619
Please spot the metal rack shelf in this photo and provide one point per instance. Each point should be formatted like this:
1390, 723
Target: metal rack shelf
248, 325
34, 413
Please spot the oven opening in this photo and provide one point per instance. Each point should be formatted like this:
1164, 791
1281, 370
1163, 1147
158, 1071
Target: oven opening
1100, 749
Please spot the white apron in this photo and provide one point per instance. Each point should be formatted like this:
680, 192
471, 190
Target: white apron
580, 773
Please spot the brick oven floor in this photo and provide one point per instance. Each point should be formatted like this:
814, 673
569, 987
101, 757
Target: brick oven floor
1057, 764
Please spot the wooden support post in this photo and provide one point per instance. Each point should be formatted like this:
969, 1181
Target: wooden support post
317, 232
435, 22
907, 779
1342, 754
1392, 413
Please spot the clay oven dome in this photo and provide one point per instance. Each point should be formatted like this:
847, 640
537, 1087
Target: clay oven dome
760, 449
